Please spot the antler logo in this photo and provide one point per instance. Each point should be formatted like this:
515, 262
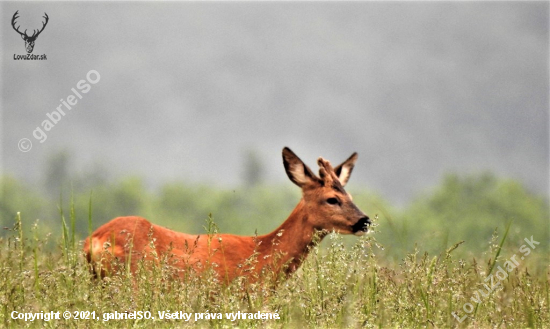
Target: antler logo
29, 40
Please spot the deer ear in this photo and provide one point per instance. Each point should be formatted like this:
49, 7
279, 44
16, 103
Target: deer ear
343, 171
296, 170
22, 37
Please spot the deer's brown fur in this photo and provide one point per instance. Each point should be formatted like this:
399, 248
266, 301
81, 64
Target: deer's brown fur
325, 206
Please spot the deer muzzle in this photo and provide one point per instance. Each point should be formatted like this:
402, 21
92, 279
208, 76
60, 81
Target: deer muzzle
361, 226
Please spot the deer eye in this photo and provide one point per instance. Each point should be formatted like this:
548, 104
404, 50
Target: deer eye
332, 201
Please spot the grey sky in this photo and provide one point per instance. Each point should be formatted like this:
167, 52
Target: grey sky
417, 88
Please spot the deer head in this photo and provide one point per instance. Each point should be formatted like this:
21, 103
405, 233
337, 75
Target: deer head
29, 40
329, 206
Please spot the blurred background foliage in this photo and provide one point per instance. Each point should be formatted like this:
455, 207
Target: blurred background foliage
460, 207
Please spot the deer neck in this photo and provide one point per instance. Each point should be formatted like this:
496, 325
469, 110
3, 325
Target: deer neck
286, 247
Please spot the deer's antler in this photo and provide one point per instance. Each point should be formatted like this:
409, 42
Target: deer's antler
35, 34
13, 24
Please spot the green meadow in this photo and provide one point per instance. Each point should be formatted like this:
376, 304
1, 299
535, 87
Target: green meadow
470, 252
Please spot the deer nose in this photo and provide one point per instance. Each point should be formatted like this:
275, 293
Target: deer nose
362, 224
367, 220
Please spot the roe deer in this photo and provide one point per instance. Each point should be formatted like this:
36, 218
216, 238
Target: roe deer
325, 206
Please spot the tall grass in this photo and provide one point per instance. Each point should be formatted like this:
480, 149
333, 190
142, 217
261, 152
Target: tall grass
337, 286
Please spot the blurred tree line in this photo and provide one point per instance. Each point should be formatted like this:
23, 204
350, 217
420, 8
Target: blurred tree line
461, 207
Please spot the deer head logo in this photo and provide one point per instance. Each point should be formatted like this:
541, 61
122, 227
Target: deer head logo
29, 40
